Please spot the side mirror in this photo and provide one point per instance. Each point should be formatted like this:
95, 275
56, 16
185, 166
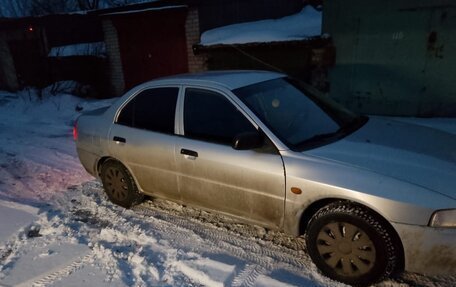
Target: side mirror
248, 140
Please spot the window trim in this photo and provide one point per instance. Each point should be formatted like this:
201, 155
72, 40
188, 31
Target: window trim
214, 90
135, 93
142, 89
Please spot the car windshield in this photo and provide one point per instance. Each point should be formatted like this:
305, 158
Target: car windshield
297, 114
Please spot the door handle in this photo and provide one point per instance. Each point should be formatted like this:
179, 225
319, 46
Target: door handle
189, 152
119, 139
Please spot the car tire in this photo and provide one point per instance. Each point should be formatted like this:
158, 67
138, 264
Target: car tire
351, 244
119, 185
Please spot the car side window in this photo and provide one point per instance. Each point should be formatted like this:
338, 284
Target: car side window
152, 109
211, 117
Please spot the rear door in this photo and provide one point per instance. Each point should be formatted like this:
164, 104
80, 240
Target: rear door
143, 138
244, 183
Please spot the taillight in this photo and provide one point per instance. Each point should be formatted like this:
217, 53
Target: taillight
75, 130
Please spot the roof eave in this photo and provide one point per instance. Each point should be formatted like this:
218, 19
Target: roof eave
309, 42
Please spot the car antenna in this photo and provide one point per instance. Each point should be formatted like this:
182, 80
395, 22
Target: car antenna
256, 59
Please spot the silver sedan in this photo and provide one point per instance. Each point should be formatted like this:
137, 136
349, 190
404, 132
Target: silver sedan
372, 196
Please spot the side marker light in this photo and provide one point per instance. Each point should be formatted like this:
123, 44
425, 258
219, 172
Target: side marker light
296, 190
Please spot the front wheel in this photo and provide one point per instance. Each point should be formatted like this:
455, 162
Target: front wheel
350, 244
119, 185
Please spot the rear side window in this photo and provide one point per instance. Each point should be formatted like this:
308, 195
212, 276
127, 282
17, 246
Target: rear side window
152, 109
209, 116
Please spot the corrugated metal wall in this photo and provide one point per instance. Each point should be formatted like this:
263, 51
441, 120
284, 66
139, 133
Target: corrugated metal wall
394, 57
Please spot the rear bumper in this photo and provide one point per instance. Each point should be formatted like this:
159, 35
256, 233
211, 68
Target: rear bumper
427, 250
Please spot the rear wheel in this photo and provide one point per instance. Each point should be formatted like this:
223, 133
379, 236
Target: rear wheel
350, 244
119, 184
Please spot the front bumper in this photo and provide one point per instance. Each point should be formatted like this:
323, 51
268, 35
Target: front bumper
428, 250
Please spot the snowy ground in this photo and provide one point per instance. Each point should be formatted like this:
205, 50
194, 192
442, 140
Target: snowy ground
58, 229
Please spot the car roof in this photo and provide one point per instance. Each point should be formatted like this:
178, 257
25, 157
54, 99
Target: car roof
231, 79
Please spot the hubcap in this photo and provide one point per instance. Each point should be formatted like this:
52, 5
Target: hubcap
116, 185
345, 248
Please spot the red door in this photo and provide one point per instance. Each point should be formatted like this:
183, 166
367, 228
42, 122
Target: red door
152, 44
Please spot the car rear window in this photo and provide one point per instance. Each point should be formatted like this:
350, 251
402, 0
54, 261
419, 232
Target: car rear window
152, 109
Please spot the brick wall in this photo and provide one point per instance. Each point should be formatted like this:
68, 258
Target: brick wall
116, 76
192, 30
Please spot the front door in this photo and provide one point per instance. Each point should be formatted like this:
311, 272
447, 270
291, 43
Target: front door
211, 174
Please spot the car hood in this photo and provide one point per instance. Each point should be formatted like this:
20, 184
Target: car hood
415, 154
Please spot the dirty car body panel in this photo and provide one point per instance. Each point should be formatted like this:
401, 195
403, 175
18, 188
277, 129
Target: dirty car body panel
402, 173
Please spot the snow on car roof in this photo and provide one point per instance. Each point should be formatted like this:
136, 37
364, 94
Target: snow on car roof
230, 79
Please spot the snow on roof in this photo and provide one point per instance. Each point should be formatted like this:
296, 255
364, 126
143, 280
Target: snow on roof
82, 49
145, 10
303, 25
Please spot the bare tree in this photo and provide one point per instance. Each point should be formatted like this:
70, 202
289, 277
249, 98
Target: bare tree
88, 4
21, 8
117, 3
45, 7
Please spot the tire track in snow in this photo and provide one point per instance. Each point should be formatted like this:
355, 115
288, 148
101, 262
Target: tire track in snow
162, 223
265, 255
222, 235
248, 276
4, 253
56, 275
